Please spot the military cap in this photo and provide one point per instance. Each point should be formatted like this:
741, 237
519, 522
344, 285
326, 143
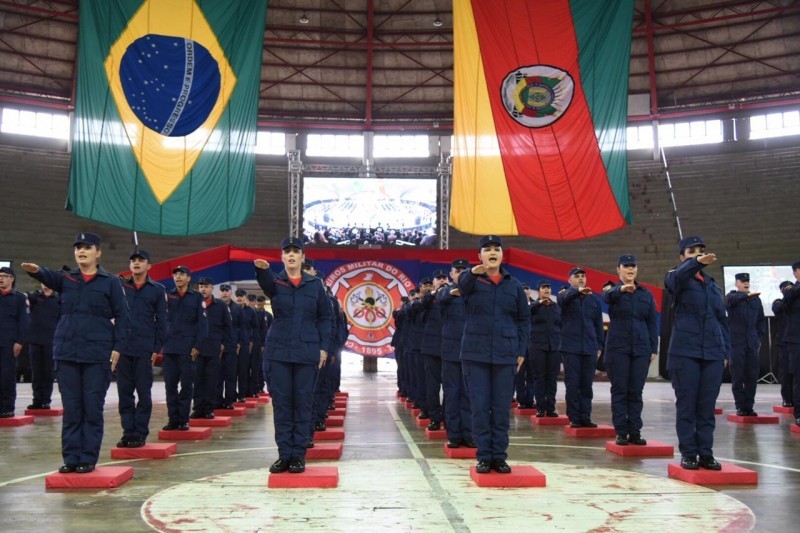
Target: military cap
542, 283
526, 286
92, 239
490, 239
308, 262
627, 259
785, 284
9, 271
144, 254
251, 297
241, 292
291, 241
689, 242
225, 287
423, 281
439, 274
460, 263
742, 276
205, 280
183, 269
576, 270
262, 298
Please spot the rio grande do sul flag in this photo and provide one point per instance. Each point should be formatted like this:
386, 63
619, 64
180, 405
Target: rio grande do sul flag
540, 117
165, 118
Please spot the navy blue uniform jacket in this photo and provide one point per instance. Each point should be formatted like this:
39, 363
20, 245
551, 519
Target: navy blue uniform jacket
237, 325
218, 317
780, 322
746, 320
303, 314
147, 307
700, 328
93, 318
545, 326
632, 329
250, 326
498, 318
791, 306
14, 318
454, 317
416, 330
432, 318
581, 322
44, 318
186, 321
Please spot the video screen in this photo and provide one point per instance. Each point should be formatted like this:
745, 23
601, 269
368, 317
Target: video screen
763, 278
369, 212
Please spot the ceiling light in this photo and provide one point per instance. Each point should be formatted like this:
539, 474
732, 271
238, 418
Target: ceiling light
303, 19
437, 22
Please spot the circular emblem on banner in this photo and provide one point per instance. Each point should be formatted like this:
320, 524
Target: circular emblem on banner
538, 95
369, 292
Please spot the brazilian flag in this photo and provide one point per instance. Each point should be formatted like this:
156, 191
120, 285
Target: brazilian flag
165, 118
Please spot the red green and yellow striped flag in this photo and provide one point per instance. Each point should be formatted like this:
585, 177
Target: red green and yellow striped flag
540, 117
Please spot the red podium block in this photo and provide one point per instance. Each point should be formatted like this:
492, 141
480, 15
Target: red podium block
652, 449
437, 434
334, 421
337, 412
247, 404
315, 477
415, 411
190, 434
520, 476
340, 404
156, 450
794, 428
262, 400
587, 433
329, 434
263, 394
409, 404
729, 475
460, 453
760, 419
523, 411
718, 410
550, 421
514, 404
216, 422
342, 394
16, 421
104, 477
325, 450
422, 422
236, 411
44, 412
775, 409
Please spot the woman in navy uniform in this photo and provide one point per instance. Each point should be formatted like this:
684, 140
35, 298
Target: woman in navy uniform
631, 344
544, 359
13, 330
791, 308
784, 362
297, 346
492, 350
432, 351
44, 318
92, 329
699, 344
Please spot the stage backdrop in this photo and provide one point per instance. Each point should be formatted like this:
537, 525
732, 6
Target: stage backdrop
370, 283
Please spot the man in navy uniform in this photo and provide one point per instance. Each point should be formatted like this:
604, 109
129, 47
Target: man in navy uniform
226, 382
91, 331
261, 379
457, 414
581, 345
397, 344
256, 354
544, 358
747, 326
784, 359
791, 306
13, 331
147, 305
186, 326
215, 342
250, 331
44, 318
523, 382
431, 350
415, 335
699, 344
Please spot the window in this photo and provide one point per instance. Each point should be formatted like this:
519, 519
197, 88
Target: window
775, 125
401, 146
36, 123
640, 137
335, 145
271, 143
690, 133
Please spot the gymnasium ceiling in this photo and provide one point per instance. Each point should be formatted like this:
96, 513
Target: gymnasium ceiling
388, 64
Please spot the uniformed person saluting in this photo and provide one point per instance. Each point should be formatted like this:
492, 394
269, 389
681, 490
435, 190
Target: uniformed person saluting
226, 382
631, 344
217, 340
186, 327
492, 350
747, 325
699, 344
432, 351
784, 361
297, 346
147, 305
544, 359
13, 331
791, 306
44, 318
91, 331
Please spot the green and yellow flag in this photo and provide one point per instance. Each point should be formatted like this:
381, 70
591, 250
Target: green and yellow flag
165, 118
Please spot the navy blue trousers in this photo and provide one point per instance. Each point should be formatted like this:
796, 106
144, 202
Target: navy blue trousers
433, 386
135, 374
205, 383
794, 356
243, 372
457, 414
744, 377
41, 357
322, 384
490, 388
785, 373
226, 380
83, 388
8, 379
627, 374
400, 360
256, 376
696, 383
524, 384
544, 366
420, 398
178, 369
292, 393
578, 379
